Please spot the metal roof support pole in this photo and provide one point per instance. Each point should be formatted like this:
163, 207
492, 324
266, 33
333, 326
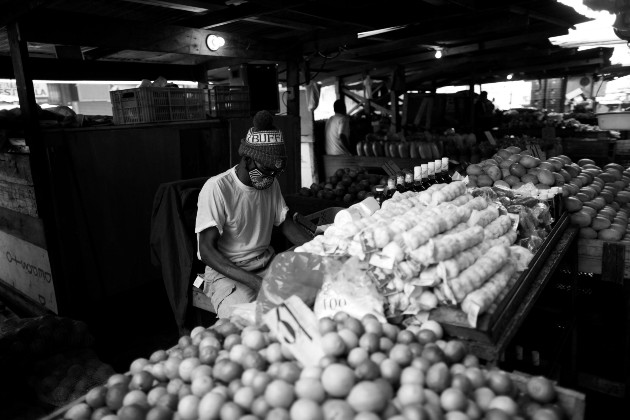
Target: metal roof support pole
39, 160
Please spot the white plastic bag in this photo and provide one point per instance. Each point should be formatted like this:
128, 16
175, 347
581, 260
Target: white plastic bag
350, 290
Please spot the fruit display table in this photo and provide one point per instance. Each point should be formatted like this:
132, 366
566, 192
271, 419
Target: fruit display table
610, 264
227, 371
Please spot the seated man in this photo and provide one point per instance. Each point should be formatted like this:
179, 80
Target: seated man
236, 212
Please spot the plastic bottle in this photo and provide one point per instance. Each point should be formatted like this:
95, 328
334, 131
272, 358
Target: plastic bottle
437, 163
425, 175
446, 176
408, 181
417, 179
379, 196
432, 179
391, 187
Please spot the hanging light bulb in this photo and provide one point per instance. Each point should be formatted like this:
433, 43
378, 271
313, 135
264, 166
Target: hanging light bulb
214, 42
438, 53
509, 76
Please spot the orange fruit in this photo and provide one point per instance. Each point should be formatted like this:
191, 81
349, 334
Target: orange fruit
500, 382
278, 413
463, 383
311, 389
136, 397
158, 413
401, 354
370, 342
541, 389
210, 405
134, 412
438, 377
333, 344
254, 339
137, 365
350, 339
168, 401
367, 396
231, 411
326, 325
95, 397
390, 370
367, 370
244, 398
260, 408
226, 371
410, 394
188, 407
279, 394
545, 414
201, 385
455, 351
289, 372
142, 380
154, 395
366, 415
304, 409
115, 395
336, 409
337, 380
356, 356
78, 412
453, 399
483, 396
412, 375
505, 404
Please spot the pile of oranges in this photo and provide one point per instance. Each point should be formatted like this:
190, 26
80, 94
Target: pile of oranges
370, 371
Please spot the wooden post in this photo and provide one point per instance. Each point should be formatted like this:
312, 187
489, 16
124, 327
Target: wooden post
38, 159
293, 110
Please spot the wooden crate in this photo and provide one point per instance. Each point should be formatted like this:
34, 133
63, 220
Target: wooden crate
622, 147
573, 402
610, 259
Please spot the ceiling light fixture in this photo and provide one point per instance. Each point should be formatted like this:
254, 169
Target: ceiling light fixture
438, 53
214, 42
509, 76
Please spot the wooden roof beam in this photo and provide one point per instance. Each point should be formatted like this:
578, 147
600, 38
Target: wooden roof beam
13, 10
540, 16
57, 69
78, 29
193, 6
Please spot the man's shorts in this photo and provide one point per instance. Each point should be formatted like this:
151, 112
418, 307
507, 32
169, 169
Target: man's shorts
225, 292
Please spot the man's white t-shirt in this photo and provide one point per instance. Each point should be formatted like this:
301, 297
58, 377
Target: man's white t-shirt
335, 126
244, 215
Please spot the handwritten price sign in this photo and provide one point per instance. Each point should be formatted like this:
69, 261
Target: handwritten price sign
295, 326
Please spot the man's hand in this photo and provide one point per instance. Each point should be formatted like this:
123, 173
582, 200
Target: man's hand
294, 233
213, 258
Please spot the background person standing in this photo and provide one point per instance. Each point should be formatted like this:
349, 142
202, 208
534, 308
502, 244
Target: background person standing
338, 131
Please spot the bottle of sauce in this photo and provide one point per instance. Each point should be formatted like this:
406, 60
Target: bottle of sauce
400, 182
446, 176
417, 179
432, 180
391, 187
379, 195
425, 175
438, 171
408, 181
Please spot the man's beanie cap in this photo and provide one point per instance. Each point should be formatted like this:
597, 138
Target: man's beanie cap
264, 142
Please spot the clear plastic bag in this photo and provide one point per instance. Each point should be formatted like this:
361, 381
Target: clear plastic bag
293, 273
350, 289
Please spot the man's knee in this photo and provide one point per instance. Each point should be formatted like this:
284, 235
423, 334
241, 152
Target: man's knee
238, 295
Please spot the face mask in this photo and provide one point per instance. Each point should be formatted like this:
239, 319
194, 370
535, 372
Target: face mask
260, 181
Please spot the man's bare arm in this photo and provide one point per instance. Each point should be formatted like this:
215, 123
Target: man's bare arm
213, 258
